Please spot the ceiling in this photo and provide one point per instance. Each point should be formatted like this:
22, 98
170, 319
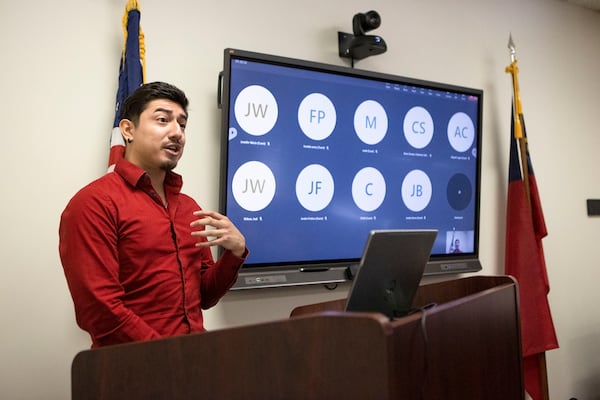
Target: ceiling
591, 4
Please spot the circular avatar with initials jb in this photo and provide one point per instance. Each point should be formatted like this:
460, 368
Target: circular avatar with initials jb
416, 190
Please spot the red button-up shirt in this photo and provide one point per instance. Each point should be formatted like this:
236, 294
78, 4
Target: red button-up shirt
131, 264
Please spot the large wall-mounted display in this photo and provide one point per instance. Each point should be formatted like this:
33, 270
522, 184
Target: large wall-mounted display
315, 156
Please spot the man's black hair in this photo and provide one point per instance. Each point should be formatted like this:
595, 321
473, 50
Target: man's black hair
136, 103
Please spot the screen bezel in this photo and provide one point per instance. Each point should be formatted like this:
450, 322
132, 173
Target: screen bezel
336, 271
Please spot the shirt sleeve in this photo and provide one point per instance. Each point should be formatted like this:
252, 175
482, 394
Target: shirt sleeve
217, 279
88, 251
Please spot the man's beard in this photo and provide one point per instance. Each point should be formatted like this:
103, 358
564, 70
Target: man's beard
169, 165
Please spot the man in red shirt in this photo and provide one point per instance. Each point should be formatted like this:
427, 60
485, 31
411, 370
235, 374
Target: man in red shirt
134, 249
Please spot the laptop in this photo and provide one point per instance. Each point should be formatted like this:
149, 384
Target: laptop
390, 271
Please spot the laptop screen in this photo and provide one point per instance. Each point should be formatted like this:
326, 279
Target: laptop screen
390, 270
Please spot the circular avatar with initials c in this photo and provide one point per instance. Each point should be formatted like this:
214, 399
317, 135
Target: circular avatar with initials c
368, 189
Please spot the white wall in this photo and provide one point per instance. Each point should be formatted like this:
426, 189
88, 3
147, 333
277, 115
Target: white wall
58, 80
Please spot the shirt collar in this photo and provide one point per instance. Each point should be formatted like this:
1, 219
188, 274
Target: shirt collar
132, 174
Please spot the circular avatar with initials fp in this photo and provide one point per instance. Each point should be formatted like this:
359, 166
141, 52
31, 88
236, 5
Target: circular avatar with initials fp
317, 116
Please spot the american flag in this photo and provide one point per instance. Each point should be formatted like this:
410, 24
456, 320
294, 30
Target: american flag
132, 74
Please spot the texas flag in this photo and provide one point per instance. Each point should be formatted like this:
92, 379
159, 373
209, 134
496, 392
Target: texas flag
524, 260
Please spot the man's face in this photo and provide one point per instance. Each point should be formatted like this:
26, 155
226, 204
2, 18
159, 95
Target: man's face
159, 137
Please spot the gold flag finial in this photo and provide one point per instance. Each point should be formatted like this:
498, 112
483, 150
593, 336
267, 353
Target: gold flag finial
513, 70
512, 48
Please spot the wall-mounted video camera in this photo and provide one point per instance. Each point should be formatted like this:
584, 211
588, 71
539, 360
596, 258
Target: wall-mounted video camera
359, 45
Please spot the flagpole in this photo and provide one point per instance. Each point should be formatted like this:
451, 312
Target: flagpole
518, 119
544, 375
513, 70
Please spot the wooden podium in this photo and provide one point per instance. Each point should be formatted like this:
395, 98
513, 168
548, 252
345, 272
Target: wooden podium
466, 346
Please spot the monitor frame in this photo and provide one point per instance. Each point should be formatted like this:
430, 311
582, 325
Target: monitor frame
332, 272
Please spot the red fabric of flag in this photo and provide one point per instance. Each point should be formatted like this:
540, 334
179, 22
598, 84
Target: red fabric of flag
524, 260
